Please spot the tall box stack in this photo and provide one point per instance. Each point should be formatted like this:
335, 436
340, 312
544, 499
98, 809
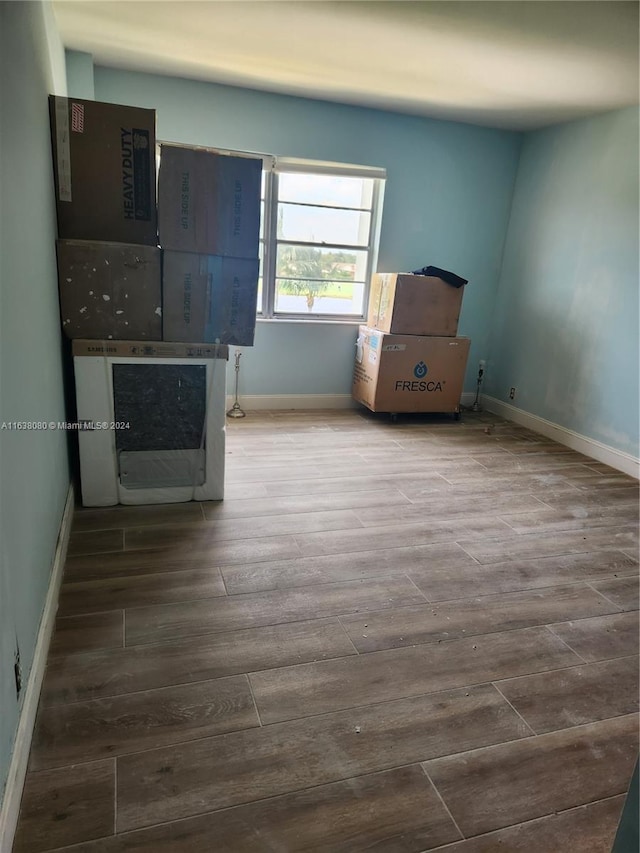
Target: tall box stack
209, 227
108, 255
151, 415
408, 356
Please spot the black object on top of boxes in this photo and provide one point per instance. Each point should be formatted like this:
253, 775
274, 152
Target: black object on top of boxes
108, 257
450, 277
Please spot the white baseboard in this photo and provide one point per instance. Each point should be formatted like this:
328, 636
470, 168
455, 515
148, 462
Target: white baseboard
20, 756
624, 462
294, 401
310, 401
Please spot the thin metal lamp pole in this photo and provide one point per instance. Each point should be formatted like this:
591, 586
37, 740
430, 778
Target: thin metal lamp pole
235, 411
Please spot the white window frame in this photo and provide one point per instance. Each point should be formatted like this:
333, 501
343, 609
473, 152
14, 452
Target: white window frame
272, 166
270, 246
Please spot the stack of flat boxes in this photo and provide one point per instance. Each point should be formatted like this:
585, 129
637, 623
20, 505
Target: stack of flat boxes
108, 257
116, 283
408, 358
209, 226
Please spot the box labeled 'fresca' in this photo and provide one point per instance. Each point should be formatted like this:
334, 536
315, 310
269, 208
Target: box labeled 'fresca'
409, 373
405, 304
105, 171
209, 298
209, 203
109, 290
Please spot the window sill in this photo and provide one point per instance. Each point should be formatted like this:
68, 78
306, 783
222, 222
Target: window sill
304, 321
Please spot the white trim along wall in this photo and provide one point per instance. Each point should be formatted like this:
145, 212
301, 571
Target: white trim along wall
595, 449
22, 745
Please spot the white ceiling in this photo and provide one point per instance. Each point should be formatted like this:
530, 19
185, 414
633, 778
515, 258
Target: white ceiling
519, 64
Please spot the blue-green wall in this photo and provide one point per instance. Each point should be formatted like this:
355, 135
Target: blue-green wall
80, 75
34, 475
446, 203
566, 328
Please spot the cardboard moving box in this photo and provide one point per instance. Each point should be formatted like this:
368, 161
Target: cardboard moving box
405, 304
408, 373
209, 203
109, 290
105, 171
209, 298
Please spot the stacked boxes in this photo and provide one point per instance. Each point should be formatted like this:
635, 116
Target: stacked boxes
209, 224
105, 171
165, 401
403, 304
109, 290
115, 282
108, 257
408, 358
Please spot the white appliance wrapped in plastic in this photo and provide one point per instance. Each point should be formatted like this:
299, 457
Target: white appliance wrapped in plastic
151, 421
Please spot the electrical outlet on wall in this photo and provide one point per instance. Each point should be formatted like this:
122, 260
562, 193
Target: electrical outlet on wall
512, 393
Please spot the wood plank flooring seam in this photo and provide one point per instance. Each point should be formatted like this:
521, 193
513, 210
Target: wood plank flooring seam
421, 591
229, 630
93, 613
346, 633
276, 796
559, 669
515, 710
451, 845
531, 738
478, 753
397, 608
168, 823
365, 705
175, 684
259, 592
594, 523
98, 553
224, 584
444, 804
309, 586
550, 629
293, 560
115, 796
539, 817
495, 683
606, 598
302, 618
253, 699
586, 581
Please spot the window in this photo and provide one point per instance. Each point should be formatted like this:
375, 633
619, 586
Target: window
319, 235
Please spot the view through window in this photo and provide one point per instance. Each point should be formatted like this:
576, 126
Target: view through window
319, 239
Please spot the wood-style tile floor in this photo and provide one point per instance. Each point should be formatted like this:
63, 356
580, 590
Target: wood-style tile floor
391, 637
